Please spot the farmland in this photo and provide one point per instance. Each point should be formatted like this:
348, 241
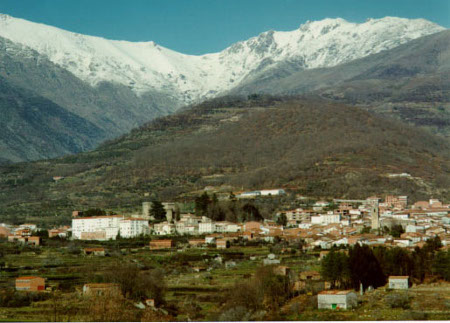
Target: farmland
197, 281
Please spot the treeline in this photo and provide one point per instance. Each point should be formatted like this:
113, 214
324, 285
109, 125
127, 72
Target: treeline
372, 266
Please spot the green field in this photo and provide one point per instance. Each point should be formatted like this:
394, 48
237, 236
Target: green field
195, 294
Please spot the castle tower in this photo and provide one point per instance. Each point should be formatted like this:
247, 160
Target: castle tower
146, 210
375, 215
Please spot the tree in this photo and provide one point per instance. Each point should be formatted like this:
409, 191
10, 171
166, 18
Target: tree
282, 219
201, 204
138, 285
335, 268
251, 213
365, 268
433, 244
441, 265
94, 212
157, 210
397, 230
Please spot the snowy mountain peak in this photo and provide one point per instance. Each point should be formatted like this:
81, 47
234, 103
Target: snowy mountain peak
145, 66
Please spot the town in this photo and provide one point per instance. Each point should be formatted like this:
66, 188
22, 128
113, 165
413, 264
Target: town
320, 231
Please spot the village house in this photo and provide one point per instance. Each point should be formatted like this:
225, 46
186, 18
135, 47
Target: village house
4, 232
30, 226
161, 244
53, 233
252, 226
398, 282
101, 289
22, 232
30, 283
281, 270
334, 299
164, 228
222, 244
34, 241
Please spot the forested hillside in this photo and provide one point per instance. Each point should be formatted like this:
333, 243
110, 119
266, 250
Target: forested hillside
318, 148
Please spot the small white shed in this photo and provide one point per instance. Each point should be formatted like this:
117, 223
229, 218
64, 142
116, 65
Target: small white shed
337, 299
399, 282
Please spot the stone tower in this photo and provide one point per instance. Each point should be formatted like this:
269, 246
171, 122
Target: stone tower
375, 215
146, 210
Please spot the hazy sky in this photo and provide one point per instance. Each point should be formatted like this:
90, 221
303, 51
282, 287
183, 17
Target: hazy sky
202, 26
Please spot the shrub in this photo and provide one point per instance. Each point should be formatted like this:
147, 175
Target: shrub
398, 301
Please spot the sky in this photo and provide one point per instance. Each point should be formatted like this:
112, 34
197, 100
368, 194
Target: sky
205, 26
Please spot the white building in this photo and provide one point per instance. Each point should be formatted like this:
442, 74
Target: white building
164, 228
277, 191
326, 219
249, 194
96, 227
398, 282
402, 216
206, 227
133, 227
332, 299
32, 227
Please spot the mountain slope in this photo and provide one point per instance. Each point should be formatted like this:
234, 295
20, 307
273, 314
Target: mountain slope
112, 109
323, 149
32, 127
147, 66
119, 85
413, 78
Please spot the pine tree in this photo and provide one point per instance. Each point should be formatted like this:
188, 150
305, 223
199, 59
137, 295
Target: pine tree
365, 268
157, 210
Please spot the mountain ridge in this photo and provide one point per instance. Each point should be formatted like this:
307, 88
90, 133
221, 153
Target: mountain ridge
144, 66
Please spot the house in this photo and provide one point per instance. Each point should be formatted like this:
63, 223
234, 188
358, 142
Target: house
101, 289
35, 241
276, 191
337, 299
252, 226
222, 244
270, 260
150, 302
162, 244
52, 233
309, 275
398, 282
164, 228
323, 254
30, 283
210, 239
30, 226
94, 251
282, 270
4, 232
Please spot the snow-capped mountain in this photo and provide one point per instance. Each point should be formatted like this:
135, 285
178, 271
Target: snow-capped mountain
146, 66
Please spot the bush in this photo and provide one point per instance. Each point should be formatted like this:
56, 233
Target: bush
398, 301
12, 298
